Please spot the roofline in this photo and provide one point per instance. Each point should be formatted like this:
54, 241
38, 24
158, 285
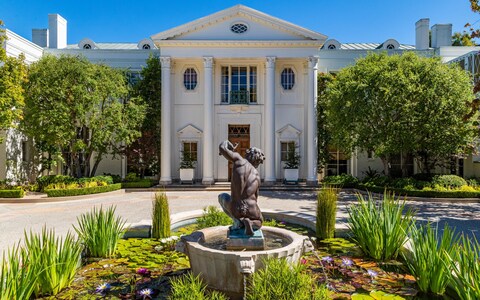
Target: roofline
237, 9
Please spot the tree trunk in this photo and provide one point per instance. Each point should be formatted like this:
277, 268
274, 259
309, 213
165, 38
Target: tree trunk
385, 162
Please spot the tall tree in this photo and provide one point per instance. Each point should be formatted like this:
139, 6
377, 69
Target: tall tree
80, 112
323, 132
402, 104
13, 75
474, 32
462, 39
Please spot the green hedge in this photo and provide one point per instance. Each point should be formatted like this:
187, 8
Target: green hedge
17, 193
420, 193
138, 184
83, 191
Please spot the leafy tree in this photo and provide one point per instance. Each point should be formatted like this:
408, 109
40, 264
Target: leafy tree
13, 74
402, 104
79, 112
323, 134
475, 6
462, 39
144, 153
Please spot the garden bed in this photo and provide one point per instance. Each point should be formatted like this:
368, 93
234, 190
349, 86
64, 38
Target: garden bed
420, 193
14, 193
83, 191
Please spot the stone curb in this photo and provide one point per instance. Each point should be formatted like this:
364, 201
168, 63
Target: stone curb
422, 199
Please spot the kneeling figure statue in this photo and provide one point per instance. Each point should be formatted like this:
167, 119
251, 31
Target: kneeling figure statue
242, 206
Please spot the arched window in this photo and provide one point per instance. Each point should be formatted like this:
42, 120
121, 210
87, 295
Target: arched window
332, 47
288, 79
190, 79
87, 46
146, 46
390, 46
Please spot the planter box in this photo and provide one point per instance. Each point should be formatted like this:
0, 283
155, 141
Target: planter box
186, 175
290, 175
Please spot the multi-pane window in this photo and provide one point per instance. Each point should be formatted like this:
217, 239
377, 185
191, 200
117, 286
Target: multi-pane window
287, 78
457, 166
400, 163
190, 79
338, 162
285, 147
239, 84
190, 150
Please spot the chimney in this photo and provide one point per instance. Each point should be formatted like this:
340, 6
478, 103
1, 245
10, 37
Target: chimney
40, 37
441, 35
58, 31
422, 39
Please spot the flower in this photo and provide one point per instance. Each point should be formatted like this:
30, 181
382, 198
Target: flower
143, 271
347, 262
327, 259
175, 238
163, 241
103, 288
146, 293
303, 261
372, 273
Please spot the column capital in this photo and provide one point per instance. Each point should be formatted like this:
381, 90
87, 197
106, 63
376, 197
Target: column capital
312, 62
270, 61
165, 61
208, 61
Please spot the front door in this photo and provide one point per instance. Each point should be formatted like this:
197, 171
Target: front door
238, 135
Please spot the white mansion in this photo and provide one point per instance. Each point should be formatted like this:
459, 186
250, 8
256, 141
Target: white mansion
238, 74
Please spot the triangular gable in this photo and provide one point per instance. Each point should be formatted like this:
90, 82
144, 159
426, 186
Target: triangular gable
288, 132
192, 29
189, 131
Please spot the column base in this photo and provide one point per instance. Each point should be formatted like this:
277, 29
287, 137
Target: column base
165, 181
208, 181
312, 182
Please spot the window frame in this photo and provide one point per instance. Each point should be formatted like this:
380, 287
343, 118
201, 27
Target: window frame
184, 78
293, 83
251, 83
330, 165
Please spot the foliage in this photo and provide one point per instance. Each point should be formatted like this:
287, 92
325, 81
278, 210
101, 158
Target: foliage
212, 216
144, 183
327, 199
13, 75
449, 181
342, 180
323, 132
187, 161
280, 280
293, 158
402, 104
192, 287
115, 177
53, 259
426, 192
13, 193
465, 277
379, 228
160, 216
99, 230
17, 279
79, 112
462, 39
44, 181
427, 260
83, 191
475, 6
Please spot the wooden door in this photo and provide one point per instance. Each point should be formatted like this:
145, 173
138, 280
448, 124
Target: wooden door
238, 135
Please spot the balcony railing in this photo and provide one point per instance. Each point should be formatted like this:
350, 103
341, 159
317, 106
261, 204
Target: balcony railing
239, 97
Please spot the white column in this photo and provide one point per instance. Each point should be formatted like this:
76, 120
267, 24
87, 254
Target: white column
208, 151
311, 142
166, 157
269, 118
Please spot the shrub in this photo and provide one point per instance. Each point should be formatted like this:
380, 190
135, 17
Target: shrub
83, 191
425, 192
44, 181
343, 180
379, 228
449, 181
377, 181
131, 177
17, 279
144, 183
212, 216
465, 278
116, 178
326, 212
16, 193
54, 260
100, 230
427, 260
192, 287
400, 183
160, 216
279, 280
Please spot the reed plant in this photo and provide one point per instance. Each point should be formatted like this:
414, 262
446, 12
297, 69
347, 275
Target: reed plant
160, 216
380, 228
53, 259
326, 212
465, 266
17, 278
428, 255
99, 231
191, 287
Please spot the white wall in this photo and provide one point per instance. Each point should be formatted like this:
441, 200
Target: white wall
15, 45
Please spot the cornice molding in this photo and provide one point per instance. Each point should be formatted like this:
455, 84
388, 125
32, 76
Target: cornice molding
239, 43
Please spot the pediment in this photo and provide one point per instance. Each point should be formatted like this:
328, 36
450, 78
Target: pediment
288, 132
218, 26
189, 131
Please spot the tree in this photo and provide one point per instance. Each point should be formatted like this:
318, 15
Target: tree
462, 39
79, 112
474, 32
13, 75
402, 104
323, 133
145, 152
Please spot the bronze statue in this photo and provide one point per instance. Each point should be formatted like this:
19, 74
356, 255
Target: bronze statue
242, 206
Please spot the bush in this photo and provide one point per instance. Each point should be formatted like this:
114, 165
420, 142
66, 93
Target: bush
83, 191
17, 278
131, 177
160, 216
116, 178
377, 181
212, 216
100, 231
326, 212
191, 287
427, 260
379, 228
45, 181
54, 260
426, 192
16, 193
144, 183
343, 180
449, 181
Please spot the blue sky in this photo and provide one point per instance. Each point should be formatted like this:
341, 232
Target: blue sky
130, 21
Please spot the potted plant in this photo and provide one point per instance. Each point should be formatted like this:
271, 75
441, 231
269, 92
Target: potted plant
291, 166
187, 167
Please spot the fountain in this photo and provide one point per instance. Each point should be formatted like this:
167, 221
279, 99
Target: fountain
223, 256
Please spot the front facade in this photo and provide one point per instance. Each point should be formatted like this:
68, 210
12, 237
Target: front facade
245, 76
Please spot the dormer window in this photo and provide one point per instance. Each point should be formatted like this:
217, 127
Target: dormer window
146, 47
87, 46
239, 28
390, 47
332, 47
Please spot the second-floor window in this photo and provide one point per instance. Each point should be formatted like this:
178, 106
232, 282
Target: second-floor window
239, 84
190, 79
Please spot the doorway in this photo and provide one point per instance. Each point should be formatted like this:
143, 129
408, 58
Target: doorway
238, 135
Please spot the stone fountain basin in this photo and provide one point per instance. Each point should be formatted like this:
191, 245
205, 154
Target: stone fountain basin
225, 270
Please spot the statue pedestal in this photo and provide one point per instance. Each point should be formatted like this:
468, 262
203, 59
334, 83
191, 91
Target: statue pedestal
238, 240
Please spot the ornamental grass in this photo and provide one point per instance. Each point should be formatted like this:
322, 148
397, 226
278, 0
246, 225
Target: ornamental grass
327, 199
160, 216
17, 279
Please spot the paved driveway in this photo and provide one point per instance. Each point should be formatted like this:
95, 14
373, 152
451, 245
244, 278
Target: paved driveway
136, 206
